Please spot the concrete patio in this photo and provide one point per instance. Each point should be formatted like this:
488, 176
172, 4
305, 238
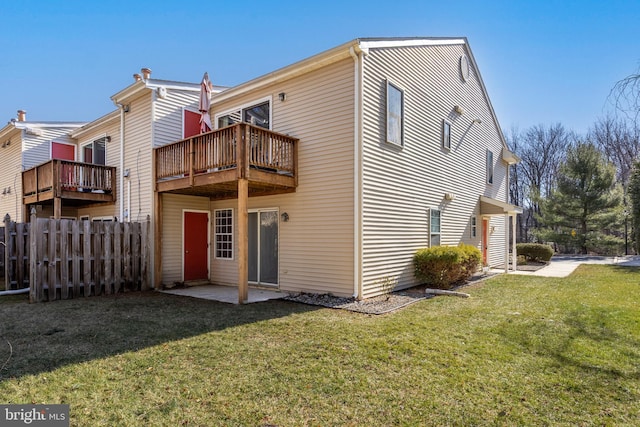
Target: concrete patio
228, 294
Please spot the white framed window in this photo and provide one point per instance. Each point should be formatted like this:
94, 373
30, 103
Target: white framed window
84, 217
103, 218
95, 151
489, 166
446, 134
223, 233
473, 232
257, 113
395, 114
435, 227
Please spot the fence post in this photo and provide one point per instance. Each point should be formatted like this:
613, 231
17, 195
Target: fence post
7, 221
33, 258
144, 255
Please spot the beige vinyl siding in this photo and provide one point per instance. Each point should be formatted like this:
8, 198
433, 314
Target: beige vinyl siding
172, 207
110, 128
11, 177
138, 157
168, 114
316, 244
401, 184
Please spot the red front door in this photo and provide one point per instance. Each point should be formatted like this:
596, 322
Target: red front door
196, 242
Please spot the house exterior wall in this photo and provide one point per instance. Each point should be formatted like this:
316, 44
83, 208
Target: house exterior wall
168, 115
37, 149
172, 236
11, 176
110, 128
401, 184
316, 244
25, 152
137, 157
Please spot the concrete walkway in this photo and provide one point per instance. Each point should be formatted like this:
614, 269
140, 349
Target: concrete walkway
564, 265
228, 294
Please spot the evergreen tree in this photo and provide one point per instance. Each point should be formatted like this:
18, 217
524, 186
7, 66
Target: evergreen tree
584, 211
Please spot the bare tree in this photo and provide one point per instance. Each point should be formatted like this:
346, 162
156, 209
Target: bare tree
517, 185
543, 150
625, 96
619, 141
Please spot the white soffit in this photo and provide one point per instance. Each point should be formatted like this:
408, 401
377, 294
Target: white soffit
372, 44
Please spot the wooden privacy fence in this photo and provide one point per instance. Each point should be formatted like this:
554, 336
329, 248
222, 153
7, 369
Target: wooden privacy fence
60, 259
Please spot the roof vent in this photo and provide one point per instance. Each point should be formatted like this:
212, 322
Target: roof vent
137, 77
22, 116
146, 73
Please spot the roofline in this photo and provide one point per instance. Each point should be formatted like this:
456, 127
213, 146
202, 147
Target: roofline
7, 129
25, 125
151, 84
373, 43
486, 96
97, 122
330, 56
297, 68
19, 126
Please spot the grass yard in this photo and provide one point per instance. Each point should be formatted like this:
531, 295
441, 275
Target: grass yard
522, 350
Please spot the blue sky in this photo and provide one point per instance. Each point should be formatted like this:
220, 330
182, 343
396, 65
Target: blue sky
543, 62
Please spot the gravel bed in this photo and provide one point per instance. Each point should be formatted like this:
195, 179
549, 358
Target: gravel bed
376, 305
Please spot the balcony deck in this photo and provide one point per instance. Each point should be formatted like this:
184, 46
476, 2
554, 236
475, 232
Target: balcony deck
78, 184
211, 164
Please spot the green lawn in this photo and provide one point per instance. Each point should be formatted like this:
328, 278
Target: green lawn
521, 351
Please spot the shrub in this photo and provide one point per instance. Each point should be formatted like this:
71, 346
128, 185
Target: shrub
443, 267
534, 251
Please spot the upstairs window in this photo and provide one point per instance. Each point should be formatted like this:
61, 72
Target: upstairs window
446, 135
95, 152
395, 113
256, 114
489, 167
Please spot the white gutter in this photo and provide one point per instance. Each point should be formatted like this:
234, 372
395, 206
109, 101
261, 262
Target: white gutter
357, 55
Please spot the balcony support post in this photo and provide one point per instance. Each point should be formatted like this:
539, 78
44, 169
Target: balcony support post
157, 242
243, 240
57, 207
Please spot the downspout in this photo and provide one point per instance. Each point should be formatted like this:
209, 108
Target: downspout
357, 55
121, 174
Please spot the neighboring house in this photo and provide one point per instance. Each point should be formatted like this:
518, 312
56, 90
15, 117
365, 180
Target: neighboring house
23, 145
324, 176
354, 159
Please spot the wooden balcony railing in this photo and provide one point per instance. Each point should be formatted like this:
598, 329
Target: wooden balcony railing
242, 147
67, 179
